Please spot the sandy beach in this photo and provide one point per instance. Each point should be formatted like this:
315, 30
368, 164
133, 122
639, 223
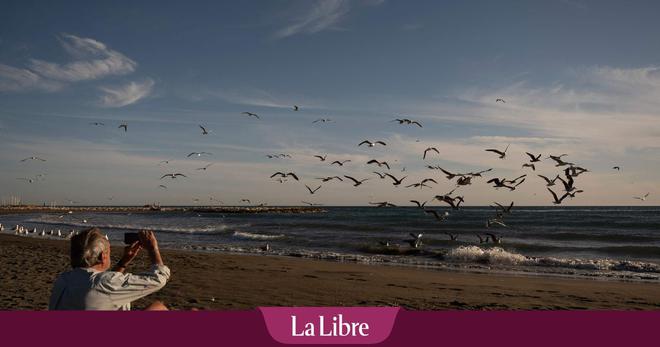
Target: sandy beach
28, 267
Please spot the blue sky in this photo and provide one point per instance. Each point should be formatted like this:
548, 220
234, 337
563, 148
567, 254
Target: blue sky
579, 77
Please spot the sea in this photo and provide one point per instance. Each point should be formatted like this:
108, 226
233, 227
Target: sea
596, 242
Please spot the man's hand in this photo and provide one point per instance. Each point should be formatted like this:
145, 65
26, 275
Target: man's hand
148, 241
130, 252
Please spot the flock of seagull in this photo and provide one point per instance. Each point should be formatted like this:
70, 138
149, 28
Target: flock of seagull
567, 177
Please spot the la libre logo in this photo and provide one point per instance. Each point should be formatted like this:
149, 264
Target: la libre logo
333, 327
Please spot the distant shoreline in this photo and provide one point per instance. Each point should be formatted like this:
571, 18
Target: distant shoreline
157, 209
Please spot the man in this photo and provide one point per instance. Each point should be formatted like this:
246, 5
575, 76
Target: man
91, 286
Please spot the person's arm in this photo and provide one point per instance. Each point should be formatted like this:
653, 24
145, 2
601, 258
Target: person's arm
148, 241
130, 252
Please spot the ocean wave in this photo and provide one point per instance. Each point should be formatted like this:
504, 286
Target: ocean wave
254, 236
498, 256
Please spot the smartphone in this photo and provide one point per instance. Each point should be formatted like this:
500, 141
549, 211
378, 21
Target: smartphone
130, 238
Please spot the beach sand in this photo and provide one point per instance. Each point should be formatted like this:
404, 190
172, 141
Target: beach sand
28, 267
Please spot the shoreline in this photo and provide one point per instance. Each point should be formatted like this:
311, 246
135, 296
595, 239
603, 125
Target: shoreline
161, 209
242, 281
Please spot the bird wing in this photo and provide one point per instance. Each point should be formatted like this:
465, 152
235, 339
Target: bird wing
373, 161
554, 195
494, 151
363, 142
381, 142
386, 164
352, 179
292, 175
277, 173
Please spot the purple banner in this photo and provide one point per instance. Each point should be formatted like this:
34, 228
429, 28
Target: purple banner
243, 328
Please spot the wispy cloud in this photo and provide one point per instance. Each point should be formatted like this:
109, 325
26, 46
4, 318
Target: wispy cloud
15, 79
96, 60
127, 94
260, 98
320, 15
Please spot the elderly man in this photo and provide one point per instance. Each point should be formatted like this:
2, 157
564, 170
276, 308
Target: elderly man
91, 286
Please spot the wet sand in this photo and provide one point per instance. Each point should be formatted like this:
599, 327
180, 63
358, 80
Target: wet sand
28, 267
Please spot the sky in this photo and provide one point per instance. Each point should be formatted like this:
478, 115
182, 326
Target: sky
578, 77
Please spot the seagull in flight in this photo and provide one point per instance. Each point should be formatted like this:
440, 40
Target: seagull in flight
163, 162
617, 168
379, 163
340, 163
641, 198
173, 175
33, 158
532, 158
371, 144
500, 100
296, 108
283, 175
322, 158
382, 204
529, 165
322, 120
97, 124
205, 167
557, 200
329, 178
408, 121
123, 125
250, 114
381, 175
429, 149
312, 191
356, 182
416, 242
28, 180
198, 154
419, 204
438, 216
162, 186
204, 131
548, 181
396, 180
310, 203
246, 200
502, 154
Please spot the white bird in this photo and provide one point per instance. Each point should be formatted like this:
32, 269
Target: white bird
59, 233
199, 154
641, 198
33, 158
371, 144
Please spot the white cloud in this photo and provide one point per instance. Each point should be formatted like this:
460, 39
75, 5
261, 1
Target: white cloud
126, 94
319, 16
14, 79
96, 60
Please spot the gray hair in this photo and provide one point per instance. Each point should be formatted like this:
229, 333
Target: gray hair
87, 248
